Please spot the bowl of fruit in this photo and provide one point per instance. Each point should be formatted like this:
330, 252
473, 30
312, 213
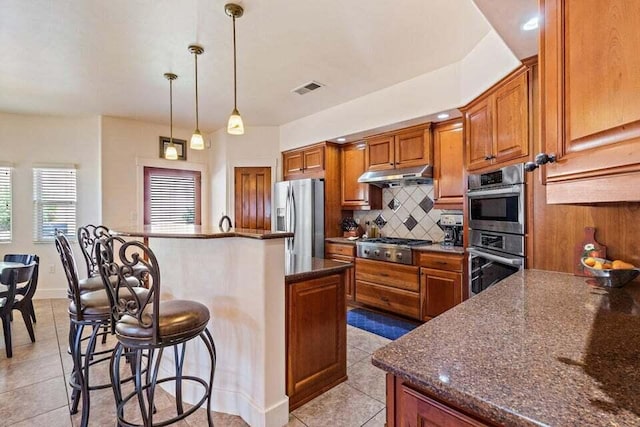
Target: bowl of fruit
613, 274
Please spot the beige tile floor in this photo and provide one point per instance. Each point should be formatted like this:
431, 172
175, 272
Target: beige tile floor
34, 390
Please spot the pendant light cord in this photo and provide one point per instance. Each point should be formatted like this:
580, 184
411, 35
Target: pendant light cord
235, 90
171, 112
197, 124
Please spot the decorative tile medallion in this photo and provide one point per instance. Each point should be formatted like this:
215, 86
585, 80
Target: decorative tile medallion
410, 222
426, 204
394, 204
380, 221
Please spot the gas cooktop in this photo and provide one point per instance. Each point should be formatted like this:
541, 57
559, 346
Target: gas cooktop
396, 241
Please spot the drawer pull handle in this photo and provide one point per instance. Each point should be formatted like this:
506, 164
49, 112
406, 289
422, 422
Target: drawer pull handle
384, 299
384, 274
441, 262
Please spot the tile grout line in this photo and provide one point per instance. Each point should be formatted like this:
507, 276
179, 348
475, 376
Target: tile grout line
377, 413
64, 377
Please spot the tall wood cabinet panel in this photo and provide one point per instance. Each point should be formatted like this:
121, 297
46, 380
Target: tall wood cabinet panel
347, 253
399, 149
357, 196
591, 99
316, 337
448, 171
497, 123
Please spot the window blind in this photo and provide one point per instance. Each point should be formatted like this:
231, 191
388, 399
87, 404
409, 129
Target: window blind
5, 204
172, 199
54, 203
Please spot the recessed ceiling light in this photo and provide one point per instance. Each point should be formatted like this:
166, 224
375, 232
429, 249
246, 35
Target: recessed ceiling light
443, 116
531, 24
341, 139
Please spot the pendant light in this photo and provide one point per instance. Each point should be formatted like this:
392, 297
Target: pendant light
170, 153
235, 125
197, 142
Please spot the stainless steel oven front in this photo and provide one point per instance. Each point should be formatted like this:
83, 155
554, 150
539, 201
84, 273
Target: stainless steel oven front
497, 200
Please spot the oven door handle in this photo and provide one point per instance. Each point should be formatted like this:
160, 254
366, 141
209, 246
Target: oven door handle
513, 189
497, 258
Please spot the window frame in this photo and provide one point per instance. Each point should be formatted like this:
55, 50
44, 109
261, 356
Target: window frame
38, 205
9, 170
148, 171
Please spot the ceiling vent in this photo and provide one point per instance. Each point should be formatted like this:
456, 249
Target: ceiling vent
309, 87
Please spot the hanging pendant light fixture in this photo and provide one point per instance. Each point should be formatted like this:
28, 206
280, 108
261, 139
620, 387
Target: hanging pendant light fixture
170, 153
235, 125
197, 142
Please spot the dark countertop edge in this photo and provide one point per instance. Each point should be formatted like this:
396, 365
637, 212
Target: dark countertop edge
341, 240
464, 401
220, 235
438, 248
313, 274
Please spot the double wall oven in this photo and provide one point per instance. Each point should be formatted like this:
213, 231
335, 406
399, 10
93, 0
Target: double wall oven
497, 212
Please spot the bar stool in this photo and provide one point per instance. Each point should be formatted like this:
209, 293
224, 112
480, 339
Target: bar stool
86, 309
146, 324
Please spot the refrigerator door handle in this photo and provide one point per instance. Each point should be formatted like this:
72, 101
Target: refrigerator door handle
294, 218
287, 216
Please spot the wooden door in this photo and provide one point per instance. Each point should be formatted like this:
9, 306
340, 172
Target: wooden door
591, 99
478, 134
292, 163
313, 160
353, 165
441, 290
511, 119
380, 153
253, 198
448, 174
413, 148
316, 337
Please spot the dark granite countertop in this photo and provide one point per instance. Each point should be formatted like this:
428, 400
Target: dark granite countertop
341, 240
437, 247
539, 348
297, 268
196, 232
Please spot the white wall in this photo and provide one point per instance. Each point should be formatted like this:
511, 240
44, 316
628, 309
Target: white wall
128, 146
26, 140
259, 146
443, 89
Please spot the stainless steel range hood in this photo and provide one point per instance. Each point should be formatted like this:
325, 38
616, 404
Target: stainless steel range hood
396, 177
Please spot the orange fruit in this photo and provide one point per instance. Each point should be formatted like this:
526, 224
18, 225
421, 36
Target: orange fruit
598, 265
621, 265
590, 261
607, 266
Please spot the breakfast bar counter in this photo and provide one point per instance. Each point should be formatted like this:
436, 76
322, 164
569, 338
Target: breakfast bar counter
239, 275
539, 348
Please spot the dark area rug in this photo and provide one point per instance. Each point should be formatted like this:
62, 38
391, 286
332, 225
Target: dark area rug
379, 324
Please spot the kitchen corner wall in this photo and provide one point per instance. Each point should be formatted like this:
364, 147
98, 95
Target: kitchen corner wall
408, 212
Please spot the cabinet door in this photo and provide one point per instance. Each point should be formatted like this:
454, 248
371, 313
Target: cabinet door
478, 124
413, 148
591, 99
441, 290
293, 163
511, 118
316, 336
380, 153
313, 159
418, 410
448, 174
354, 165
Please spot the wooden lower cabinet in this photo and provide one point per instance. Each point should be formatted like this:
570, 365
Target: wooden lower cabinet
388, 286
409, 407
346, 253
316, 337
441, 290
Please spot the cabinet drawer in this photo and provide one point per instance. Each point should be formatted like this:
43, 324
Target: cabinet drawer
339, 249
391, 299
441, 261
384, 273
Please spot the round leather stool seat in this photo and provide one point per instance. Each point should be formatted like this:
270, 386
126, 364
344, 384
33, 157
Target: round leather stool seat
94, 283
177, 320
96, 303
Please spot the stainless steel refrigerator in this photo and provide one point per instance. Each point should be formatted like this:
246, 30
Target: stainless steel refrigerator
299, 208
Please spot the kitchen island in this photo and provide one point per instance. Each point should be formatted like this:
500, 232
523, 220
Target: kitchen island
239, 275
539, 348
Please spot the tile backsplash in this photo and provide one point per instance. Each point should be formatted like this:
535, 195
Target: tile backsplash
408, 212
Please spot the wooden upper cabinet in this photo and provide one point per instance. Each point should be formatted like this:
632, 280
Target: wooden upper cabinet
354, 194
380, 153
413, 148
304, 161
497, 123
447, 162
511, 139
400, 149
591, 99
